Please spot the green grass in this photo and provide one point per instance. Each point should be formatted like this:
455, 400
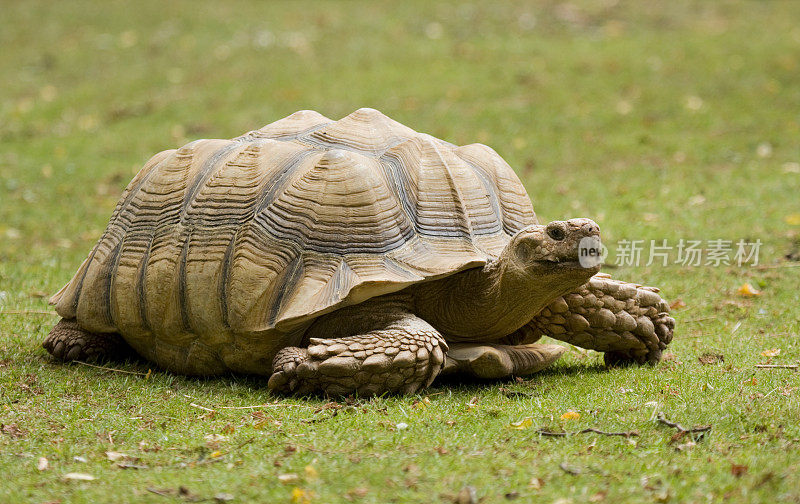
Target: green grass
669, 122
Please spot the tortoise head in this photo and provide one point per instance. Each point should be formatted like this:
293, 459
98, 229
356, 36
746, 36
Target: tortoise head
561, 255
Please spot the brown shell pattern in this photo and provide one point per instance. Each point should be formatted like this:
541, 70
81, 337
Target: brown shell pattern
287, 222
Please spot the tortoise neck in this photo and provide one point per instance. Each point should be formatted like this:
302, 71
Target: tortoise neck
480, 304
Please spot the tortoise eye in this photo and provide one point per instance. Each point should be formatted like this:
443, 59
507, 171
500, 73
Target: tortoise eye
556, 232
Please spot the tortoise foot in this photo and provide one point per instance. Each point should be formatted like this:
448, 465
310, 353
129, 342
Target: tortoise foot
402, 358
68, 342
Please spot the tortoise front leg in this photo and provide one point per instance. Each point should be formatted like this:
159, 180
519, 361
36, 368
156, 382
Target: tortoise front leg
67, 342
404, 356
627, 321
499, 361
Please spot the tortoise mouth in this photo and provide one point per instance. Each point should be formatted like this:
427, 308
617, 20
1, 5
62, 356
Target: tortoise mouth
564, 264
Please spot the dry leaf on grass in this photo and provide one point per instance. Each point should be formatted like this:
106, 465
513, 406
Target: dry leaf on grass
677, 304
571, 415
771, 352
77, 477
12, 430
288, 478
747, 290
738, 470
311, 473
711, 358
356, 493
301, 496
792, 219
521, 424
42, 464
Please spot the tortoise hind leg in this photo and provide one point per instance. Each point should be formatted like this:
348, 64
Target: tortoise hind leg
402, 357
67, 342
499, 361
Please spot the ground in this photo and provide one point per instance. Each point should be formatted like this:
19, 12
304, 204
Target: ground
676, 122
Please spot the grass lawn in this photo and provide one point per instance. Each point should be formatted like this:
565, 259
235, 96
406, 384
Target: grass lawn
662, 123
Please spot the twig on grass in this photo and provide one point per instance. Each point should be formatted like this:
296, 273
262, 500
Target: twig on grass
202, 408
544, 432
777, 366
272, 405
28, 312
569, 469
694, 430
699, 319
158, 492
115, 370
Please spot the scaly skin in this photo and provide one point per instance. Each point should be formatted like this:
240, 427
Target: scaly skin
67, 342
402, 355
627, 321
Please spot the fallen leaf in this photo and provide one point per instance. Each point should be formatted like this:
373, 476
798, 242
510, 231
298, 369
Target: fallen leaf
536, 483
709, 358
115, 456
223, 497
301, 496
42, 464
288, 478
80, 459
747, 290
792, 219
311, 473
738, 470
521, 424
215, 438
12, 430
677, 304
358, 493
570, 415
421, 404
77, 477
467, 495
598, 497
130, 465
569, 469
402, 426
772, 352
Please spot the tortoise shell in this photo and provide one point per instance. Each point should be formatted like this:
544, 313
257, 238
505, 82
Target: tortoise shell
220, 249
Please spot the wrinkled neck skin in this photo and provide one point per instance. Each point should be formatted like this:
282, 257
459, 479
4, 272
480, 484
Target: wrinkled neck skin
489, 303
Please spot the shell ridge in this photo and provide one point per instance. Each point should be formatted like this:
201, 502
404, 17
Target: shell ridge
210, 166
224, 281
462, 214
483, 177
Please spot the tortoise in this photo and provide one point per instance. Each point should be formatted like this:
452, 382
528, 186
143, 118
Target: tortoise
338, 257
